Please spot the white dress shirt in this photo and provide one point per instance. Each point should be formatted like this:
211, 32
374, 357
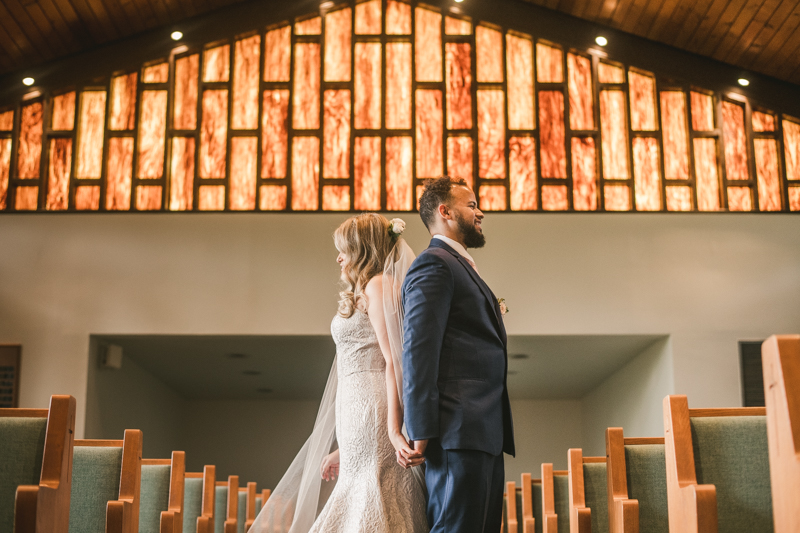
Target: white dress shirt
455, 245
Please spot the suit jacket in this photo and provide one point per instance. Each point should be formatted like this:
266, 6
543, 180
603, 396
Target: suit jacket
455, 358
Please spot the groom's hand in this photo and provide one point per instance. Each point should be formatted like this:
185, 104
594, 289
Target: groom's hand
412, 455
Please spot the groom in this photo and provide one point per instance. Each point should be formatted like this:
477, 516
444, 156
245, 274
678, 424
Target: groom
454, 368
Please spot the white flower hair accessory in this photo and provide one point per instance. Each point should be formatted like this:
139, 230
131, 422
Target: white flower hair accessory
396, 227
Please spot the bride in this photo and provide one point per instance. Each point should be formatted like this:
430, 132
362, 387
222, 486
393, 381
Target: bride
361, 408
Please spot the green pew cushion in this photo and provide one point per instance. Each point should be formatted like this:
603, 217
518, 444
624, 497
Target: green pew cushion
732, 453
220, 508
646, 471
595, 490
538, 515
561, 493
95, 482
519, 509
242, 512
192, 503
22, 445
154, 497
259, 504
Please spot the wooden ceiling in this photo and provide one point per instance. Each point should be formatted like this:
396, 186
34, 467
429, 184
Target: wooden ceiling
758, 35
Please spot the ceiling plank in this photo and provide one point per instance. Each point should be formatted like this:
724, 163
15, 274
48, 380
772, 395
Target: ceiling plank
756, 25
788, 27
104, 18
44, 25
631, 24
101, 32
648, 17
740, 24
28, 27
766, 39
723, 25
785, 55
695, 14
18, 36
607, 11
708, 23
662, 25
71, 30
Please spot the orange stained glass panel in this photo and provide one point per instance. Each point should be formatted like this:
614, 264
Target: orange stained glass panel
123, 102
184, 113
643, 101
554, 198
181, 180
739, 199
5, 170
148, 198
368, 86
735, 141
614, 134
584, 174
458, 59
581, 96
213, 135
794, 198
29, 151
60, 166
549, 64
6, 120
679, 198
489, 54
399, 173
247, 61
428, 40
706, 174
456, 26
398, 86
90, 134
768, 174
312, 26
156, 73
272, 198
522, 173
119, 173
338, 32
275, 134
429, 133
336, 198
305, 173
519, 63
244, 156
492, 198
152, 134
551, 136
675, 135
87, 198
791, 143
617, 198
26, 198
336, 135
608, 73
305, 101
702, 111
278, 54
63, 112
217, 63
211, 198
369, 18
367, 173
646, 174
491, 134
763, 121
398, 18
459, 158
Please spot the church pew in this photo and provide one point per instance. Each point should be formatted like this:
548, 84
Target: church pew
226, 502
198, 501
512, 500
717, 463
555, 500
780, 357
531, 504
36, 461
248, 517
261, 499
637, 484
161, 496
106, 478
588, 500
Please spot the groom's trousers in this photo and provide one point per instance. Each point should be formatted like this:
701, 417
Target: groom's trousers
465, 490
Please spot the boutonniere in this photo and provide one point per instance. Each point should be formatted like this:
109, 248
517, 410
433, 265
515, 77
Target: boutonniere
503, 307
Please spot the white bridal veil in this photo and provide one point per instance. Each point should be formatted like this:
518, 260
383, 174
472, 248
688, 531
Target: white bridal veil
299, 496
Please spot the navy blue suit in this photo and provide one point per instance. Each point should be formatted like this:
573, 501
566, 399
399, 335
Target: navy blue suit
454, 389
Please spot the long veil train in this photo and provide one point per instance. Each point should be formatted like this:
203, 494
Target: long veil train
298, 497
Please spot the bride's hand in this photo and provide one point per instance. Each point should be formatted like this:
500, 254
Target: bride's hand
330, 466
406, 456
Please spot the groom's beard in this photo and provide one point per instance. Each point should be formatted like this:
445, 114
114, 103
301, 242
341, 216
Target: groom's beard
473, 238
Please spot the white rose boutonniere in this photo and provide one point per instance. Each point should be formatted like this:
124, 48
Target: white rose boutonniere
397, 226
503, 307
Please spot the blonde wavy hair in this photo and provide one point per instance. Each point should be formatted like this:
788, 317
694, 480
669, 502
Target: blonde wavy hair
366, 243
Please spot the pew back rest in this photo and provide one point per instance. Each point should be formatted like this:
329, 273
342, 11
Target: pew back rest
259, 504
731, 453
241, 511
595, 487
96, 472
154, 497
538, 514
22, 443
646, 476
561, 499
192, 501
220, 506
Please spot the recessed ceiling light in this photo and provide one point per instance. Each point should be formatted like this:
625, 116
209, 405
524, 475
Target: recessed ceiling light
744, 82
512, 372
458, 1
251, 372
176, 35
28, 81
264, 390
520, 356
602, 41
326, 5
237, 356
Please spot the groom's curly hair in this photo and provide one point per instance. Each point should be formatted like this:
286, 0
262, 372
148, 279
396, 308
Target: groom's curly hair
437, 191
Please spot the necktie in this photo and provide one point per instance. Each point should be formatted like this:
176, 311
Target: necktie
472, 264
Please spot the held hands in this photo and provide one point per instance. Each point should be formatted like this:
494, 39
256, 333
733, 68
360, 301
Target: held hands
407, 454
330, 466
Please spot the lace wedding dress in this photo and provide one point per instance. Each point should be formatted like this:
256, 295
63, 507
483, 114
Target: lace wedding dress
374, 494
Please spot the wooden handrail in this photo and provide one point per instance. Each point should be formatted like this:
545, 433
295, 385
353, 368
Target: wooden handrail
528, 521
122, 515
511, 507
580, 515
205, 522
172, 518
250, 509
232, 517
549, 518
